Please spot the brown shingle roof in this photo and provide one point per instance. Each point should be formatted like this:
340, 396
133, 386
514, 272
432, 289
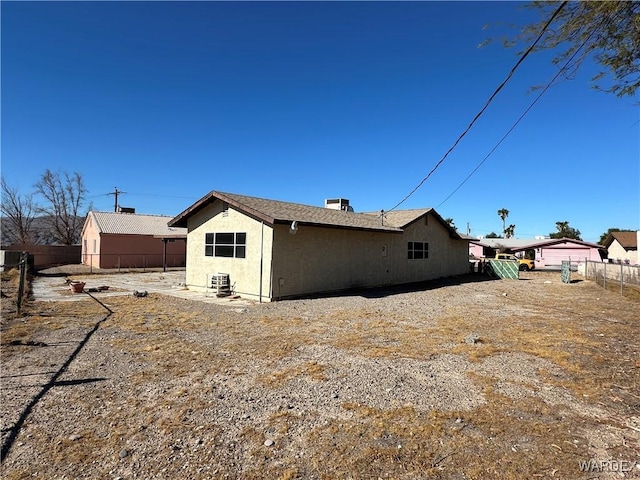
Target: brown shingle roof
628, 240
275, 211
135, 224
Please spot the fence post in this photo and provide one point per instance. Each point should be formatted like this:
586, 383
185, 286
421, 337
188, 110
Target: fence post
604, 280
621, 278
586, 269
24, 264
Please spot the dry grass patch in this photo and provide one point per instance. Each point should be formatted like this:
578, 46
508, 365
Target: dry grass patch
310, 369
406, 443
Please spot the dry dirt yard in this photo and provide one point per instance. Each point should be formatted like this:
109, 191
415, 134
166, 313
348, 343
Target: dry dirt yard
459, 379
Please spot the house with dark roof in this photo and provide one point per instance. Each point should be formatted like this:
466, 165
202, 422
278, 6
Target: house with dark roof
269, 250
130, 240
622, 247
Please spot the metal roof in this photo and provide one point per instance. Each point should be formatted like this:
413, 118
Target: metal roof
135, 224
517, 244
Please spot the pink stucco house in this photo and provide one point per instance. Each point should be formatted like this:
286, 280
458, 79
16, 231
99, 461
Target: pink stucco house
546, 252
129, 240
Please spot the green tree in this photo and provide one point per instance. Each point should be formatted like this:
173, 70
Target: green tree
509, 231
492, 235
451, 223
608, 32
565, 231
604, 236
503, 213
64, 197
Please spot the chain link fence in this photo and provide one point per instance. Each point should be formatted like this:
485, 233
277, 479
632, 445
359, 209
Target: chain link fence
614, 276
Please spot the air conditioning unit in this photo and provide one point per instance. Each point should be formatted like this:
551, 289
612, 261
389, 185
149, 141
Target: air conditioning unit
219, 282
338, 204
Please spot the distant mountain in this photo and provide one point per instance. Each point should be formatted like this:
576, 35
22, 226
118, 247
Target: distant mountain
41, 230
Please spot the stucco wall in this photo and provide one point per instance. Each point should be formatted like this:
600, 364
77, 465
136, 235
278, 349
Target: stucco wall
90, 243
319, 259
244, 273
617, 252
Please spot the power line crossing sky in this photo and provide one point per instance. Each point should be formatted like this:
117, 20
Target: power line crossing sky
302, 101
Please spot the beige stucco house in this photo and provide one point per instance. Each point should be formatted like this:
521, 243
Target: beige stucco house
273, 250
129, 240
623, 247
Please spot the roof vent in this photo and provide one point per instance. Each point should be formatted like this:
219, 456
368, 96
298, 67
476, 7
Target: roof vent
338, 204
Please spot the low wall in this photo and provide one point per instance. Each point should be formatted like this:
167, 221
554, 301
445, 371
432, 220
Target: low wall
45, 256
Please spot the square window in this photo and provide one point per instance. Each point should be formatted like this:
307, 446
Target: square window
417, 250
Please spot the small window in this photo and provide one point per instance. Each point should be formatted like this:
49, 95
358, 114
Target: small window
417, 250
228, 245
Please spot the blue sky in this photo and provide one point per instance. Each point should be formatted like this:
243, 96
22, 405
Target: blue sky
302, 101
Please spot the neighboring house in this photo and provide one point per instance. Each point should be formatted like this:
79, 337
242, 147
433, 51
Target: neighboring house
622, 247
272, 250
545, 252
128, 240
488, 247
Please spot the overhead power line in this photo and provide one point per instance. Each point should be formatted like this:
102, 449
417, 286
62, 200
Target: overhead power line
542, 92
486, 105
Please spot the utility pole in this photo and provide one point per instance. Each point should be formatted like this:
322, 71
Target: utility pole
116, 193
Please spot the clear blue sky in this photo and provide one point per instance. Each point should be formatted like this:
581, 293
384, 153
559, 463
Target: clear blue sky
302, 101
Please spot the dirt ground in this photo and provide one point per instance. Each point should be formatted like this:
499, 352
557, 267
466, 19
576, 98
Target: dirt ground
457, 379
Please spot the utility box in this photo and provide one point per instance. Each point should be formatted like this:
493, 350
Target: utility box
219, 282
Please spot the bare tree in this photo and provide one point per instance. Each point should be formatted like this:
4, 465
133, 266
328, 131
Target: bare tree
18, 212
65, 196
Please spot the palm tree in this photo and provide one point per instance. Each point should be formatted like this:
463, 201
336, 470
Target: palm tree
503, 213
509, 231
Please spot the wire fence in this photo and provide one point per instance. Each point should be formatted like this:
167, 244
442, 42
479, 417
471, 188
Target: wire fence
615, 276
141, 261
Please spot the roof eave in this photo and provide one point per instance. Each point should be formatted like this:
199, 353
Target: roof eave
382, 229
182, 218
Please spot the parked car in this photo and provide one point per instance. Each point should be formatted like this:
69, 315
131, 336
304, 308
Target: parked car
524, 264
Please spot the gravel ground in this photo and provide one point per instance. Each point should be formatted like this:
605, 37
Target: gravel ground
170, 387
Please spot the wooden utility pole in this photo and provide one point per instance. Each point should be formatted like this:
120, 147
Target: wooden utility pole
116, 193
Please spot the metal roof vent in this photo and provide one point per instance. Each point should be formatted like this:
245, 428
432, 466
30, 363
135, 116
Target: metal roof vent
338, 204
